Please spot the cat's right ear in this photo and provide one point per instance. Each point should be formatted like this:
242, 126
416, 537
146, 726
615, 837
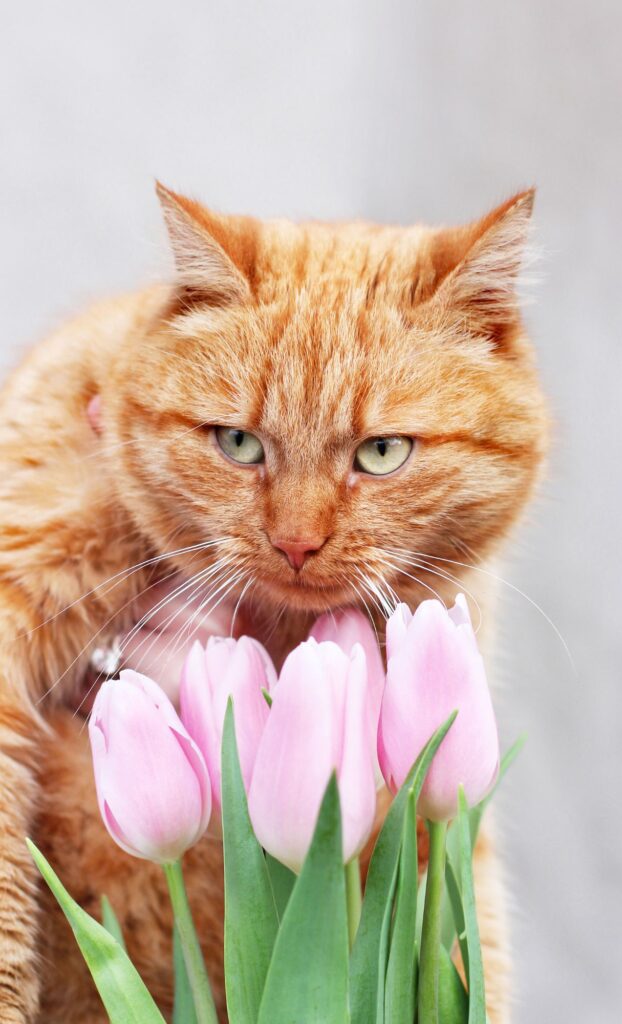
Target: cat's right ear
205, 271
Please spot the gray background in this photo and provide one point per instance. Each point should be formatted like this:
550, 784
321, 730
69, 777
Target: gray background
395, 111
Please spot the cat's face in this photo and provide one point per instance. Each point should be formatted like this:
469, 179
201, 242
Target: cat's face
321, 400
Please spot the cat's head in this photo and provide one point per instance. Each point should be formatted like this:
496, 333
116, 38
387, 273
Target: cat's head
325, 399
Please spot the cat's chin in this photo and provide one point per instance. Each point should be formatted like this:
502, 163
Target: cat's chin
307, 597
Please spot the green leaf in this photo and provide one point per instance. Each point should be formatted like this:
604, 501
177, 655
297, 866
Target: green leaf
448, 929
423, 884
383, 946
400, 993
454, 896
307, 981
119, 984
477, 998
453, 1002
110, 922
251, 920
368, 959
183, 1006
282, 881
475, 814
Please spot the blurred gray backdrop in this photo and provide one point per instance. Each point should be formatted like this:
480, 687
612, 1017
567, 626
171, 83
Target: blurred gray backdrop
394, 111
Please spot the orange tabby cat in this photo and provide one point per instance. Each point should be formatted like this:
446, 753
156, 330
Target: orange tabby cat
381, 429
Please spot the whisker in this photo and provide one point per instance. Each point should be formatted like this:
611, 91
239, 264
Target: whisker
195, 584
392, 594
144, 619
202, 546
108, 449
449, 577
371, 593
226, 587
192, 584
246, 587
367, 609
188, 628
277, 619
101, 629
498, 579
376, 587
420, 583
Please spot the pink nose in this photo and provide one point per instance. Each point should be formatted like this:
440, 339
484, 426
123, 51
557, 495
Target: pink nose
297, 550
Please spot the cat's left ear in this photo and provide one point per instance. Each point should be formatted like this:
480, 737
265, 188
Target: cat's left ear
480, 292
205, 247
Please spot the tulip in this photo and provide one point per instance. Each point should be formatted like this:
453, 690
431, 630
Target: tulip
434, 667
240, 669
346, 628
152, 784
318, 724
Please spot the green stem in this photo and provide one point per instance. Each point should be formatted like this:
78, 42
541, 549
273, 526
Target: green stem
431, 929
353, 897
193, 957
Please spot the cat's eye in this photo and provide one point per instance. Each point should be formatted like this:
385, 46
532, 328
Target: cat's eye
239, 445
381, 455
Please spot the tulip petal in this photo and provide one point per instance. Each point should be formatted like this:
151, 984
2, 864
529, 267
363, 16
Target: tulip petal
459, 614
266, 660
397, 627
151, 781
197, 714
434, 669
356, 777
246, 677
239, 669
347, 627
117, 832
197, 763
298, 752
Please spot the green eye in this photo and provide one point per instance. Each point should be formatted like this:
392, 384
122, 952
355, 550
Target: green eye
382, 455
239, 445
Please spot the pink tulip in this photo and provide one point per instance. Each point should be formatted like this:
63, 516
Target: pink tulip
152, 784
318, 724
434, 667
346, 628
225, 668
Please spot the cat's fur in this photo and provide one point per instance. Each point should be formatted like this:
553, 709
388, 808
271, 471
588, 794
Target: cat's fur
314, 336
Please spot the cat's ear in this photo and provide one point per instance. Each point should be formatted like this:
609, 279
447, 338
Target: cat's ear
205, 270
480, 291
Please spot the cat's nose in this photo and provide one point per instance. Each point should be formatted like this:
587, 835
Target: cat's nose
297, 550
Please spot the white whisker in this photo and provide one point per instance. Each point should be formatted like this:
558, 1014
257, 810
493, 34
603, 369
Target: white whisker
367, 609
101, 629
498, 579
226, 587
127, 639
195, 622
120, 577
371, 591
387, 606
450, 578
246, 587
183, 587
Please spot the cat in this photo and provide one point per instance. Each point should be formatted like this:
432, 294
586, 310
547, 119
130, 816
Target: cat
308, 416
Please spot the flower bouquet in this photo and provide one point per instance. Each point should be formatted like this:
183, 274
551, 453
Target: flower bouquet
291, 766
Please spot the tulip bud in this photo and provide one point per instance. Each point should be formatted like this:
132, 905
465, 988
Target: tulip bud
225, 668
346, 628
318, 724
434, 667
152, 784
